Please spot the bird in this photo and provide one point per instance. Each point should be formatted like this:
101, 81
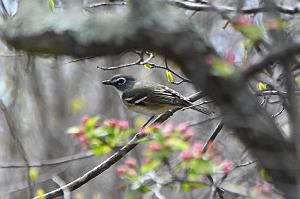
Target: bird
150, 98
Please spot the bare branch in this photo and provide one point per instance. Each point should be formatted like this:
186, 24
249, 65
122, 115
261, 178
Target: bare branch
208, 8
52, 162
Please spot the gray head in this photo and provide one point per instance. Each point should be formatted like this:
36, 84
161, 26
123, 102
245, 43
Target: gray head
121, 82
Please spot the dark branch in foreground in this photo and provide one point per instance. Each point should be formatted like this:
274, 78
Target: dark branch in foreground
208, 8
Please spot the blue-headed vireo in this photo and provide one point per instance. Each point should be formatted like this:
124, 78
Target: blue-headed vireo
149, 98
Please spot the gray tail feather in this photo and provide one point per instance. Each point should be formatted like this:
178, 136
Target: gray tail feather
202, 109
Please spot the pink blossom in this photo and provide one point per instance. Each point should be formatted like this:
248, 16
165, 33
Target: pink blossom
213, 150
263, 188
243, 20
156, 125
182, 127
123, 124
111, 122
131, 162
230, 57
146, 160
272, 24
84, 141
84, 119
131, 172
227, 166
121, 169
186, 154
197, 149
189, 134
153, 146
167, 134
169, 127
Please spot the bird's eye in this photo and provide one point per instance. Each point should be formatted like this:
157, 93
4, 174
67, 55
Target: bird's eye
121, 81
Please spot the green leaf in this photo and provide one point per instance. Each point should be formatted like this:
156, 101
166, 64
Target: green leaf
148, 66
222, 68
169, 76
200, 166
40, 193
188, 186
150, 166
130, 196
90, 124
137, 185
99, 132
33, 174
177, 144
76, 104
100, 149
51, 5
254, 32
261, 86
264, 174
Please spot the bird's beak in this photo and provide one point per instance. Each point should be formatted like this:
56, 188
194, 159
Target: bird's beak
107, 82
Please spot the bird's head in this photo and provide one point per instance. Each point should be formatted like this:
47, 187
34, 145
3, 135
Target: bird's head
121, 82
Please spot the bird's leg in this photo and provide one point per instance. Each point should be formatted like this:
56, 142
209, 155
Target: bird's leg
148, 121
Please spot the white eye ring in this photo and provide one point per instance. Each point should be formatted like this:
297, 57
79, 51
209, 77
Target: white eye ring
121, 81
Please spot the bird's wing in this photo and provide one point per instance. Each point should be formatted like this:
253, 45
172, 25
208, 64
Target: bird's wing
151, 95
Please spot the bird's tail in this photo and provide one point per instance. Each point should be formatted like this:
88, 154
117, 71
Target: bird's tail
202, 109
199, 108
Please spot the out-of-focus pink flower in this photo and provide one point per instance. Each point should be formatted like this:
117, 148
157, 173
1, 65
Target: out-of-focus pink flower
153, 146
120, 186
123, 124
146, 160
111, 122
121, 169
131, 172
84, 119
182, 127
131, 162
230, 57
272, 24
169, 127
209, 60
212, 150
189, 134
197, 149
167, 134
243, 20
186, 154
263, 188
156, 125
84, 141
227, 166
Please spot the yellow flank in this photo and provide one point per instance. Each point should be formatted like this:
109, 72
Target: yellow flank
149, 110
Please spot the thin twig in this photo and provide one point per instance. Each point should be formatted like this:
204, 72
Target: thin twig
13, 132
212, 137
97, 5
208, 8
52, 162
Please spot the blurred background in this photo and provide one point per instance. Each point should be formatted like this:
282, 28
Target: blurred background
42, 96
